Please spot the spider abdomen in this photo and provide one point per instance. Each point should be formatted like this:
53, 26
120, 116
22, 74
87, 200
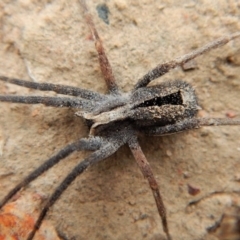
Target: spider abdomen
164, 104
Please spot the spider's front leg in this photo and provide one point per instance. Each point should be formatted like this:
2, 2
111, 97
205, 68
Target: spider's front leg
57, 88
85, 99
110, 147
90, 144
50, 101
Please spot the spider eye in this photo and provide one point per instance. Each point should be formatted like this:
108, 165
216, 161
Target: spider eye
171, 99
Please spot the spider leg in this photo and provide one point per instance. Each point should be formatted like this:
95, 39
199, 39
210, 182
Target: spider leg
50, 101
161, 69
102, 57
91, 144
61, 89
147, 173
188, 124
102, 153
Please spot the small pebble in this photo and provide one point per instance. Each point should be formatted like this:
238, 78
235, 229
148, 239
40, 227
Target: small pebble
231, 114
193, 190
120, 4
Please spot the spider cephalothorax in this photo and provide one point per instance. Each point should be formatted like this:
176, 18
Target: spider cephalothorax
160, 105
118, 118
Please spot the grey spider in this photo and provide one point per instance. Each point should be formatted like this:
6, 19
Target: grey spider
166, 108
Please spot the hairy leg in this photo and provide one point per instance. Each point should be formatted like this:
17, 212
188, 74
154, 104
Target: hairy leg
104, 152
148, 174
51, 101
91, 144
61, 89
162, 69
102, 57
188, 124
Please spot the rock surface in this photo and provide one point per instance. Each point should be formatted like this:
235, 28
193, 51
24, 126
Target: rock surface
50, 42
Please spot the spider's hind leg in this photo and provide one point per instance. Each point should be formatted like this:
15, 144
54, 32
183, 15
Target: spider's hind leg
102, 57
148, 174
190, 123
164, 68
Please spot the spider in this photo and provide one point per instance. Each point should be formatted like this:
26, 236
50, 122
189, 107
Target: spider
118, 118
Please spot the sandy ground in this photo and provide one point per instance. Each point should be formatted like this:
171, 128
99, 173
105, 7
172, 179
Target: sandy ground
49, 41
